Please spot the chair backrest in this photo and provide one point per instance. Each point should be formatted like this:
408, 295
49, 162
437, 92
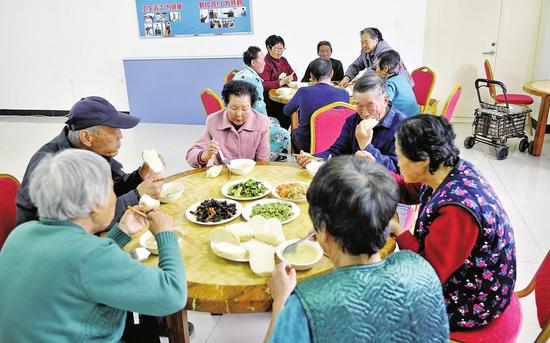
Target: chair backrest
326, 124
490, 76
451, 102
8, 189
424, 81
230, 75
542, 291
211, 101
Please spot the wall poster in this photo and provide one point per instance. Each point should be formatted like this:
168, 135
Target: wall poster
165, 18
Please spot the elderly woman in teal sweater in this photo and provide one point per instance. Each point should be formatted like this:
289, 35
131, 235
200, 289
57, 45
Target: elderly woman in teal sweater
60, 282
365, 298
254, 64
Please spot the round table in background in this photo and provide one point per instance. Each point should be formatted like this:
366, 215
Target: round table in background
540, 88
217, 285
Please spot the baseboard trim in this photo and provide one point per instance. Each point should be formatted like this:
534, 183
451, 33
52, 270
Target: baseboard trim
42, 113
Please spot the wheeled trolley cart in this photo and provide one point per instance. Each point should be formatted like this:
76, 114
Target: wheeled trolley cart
495, 124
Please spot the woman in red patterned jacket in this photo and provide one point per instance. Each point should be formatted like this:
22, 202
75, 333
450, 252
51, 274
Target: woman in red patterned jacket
277, 73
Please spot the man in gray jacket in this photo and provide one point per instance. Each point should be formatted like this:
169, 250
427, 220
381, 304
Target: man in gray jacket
94, 124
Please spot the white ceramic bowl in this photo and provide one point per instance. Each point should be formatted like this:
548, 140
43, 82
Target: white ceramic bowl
171, 192
241, 166
284, 91
313, 166
301, 266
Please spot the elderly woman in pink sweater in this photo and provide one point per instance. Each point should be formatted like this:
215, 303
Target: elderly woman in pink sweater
238, 130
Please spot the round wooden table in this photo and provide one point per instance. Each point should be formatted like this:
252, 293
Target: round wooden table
539, 88
217, 285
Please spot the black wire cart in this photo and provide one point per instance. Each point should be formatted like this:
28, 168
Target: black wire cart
495, 123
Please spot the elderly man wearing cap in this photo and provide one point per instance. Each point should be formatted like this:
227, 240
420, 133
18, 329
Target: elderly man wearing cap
94, 124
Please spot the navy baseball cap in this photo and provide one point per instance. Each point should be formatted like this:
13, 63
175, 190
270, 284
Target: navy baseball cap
95, 110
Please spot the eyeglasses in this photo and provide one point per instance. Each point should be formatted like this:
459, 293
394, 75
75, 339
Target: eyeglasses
279, 49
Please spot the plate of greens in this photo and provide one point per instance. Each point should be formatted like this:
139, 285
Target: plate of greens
246, 189
285, 211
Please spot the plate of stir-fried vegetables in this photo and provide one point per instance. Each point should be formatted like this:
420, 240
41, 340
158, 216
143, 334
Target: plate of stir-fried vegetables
246, 189
292, 191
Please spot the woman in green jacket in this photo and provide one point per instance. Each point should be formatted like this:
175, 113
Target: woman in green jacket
60, 282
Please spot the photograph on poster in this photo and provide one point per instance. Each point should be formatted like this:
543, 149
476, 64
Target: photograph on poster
228, 12
175, 16
148, 17
215, 13
161, 16
148, 29
158, 29
166, 29
204, 16
228, 24
216, 24
240, 12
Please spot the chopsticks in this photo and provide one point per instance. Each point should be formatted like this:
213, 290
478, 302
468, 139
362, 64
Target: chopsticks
310, 156
135, 210
159, 179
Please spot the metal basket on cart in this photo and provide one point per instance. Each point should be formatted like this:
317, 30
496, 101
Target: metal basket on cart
494, 124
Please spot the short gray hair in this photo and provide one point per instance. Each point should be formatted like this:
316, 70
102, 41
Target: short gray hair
370, 82
74, 136
68, 184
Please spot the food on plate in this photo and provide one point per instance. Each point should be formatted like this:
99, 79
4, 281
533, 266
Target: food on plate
152, 158
242, 230
248, 189
269, 231
148, 203
279, 210
230, 251
304, 253
222, 234
292, 191
213, 211
368, 124
213, 171
262, 259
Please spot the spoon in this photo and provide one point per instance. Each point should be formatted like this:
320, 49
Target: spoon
291, 247
222, 157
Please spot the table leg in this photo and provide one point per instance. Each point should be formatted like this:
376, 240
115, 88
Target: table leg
178, 327
541, 126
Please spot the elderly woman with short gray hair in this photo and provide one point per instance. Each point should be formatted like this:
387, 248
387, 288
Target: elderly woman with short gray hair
62, 283
372, 45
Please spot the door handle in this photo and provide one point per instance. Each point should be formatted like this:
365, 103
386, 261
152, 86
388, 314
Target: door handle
492, 52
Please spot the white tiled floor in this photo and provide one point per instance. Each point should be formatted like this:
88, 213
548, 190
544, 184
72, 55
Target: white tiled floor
521, 181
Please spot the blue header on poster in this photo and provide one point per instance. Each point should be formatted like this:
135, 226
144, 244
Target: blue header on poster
158, 18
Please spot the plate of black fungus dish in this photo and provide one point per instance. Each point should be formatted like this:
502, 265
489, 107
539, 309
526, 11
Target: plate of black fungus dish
213, 211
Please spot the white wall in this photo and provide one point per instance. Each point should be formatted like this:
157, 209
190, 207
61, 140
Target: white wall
541, 70
54, 52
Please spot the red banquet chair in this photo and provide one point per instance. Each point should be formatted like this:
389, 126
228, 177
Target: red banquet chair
211, 101
230, 75
516, 99
506, 328
424, 81
450, 104
326, 124
8, 190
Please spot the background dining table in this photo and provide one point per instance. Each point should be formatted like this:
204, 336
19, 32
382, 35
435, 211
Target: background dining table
214, 284
540, 88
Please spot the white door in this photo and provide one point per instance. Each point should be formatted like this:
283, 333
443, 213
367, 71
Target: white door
460, 35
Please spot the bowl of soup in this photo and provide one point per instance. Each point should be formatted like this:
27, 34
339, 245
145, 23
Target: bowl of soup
304, 256
241, 166
171, 192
